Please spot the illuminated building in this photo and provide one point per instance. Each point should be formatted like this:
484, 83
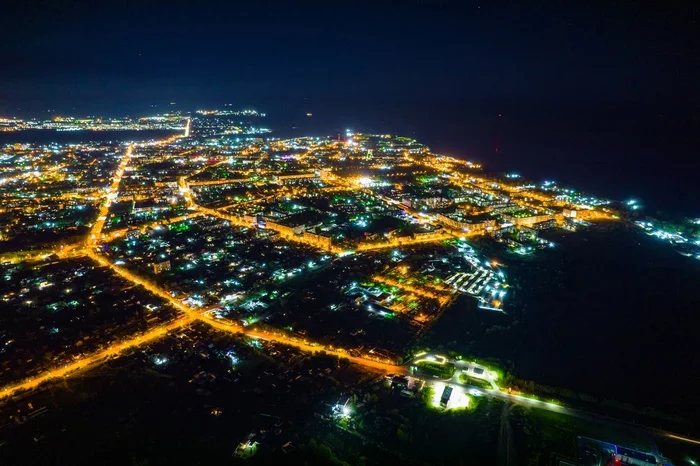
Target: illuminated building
160, 267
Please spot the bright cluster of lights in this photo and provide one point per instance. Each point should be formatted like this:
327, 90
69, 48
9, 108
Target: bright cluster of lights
341, 411
458, 399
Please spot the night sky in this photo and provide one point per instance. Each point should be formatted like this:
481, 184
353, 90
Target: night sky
133, 53
607, 84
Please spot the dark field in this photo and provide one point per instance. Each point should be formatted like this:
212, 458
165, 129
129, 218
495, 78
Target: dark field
609, 312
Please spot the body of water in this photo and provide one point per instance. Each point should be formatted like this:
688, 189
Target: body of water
41, 136
613, 314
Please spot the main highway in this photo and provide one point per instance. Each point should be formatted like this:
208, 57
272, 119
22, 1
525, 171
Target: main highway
96, 229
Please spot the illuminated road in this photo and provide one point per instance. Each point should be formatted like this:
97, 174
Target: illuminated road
218, 182
683, 439
186, 193
184, 187
418, 291
531, 402
65, 251
93, 359
404, 242
111, 196
231, 327
191, 315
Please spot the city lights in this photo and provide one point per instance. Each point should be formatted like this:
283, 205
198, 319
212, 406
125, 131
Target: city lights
235, 238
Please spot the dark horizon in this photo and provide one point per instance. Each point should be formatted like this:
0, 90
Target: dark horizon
119, 58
